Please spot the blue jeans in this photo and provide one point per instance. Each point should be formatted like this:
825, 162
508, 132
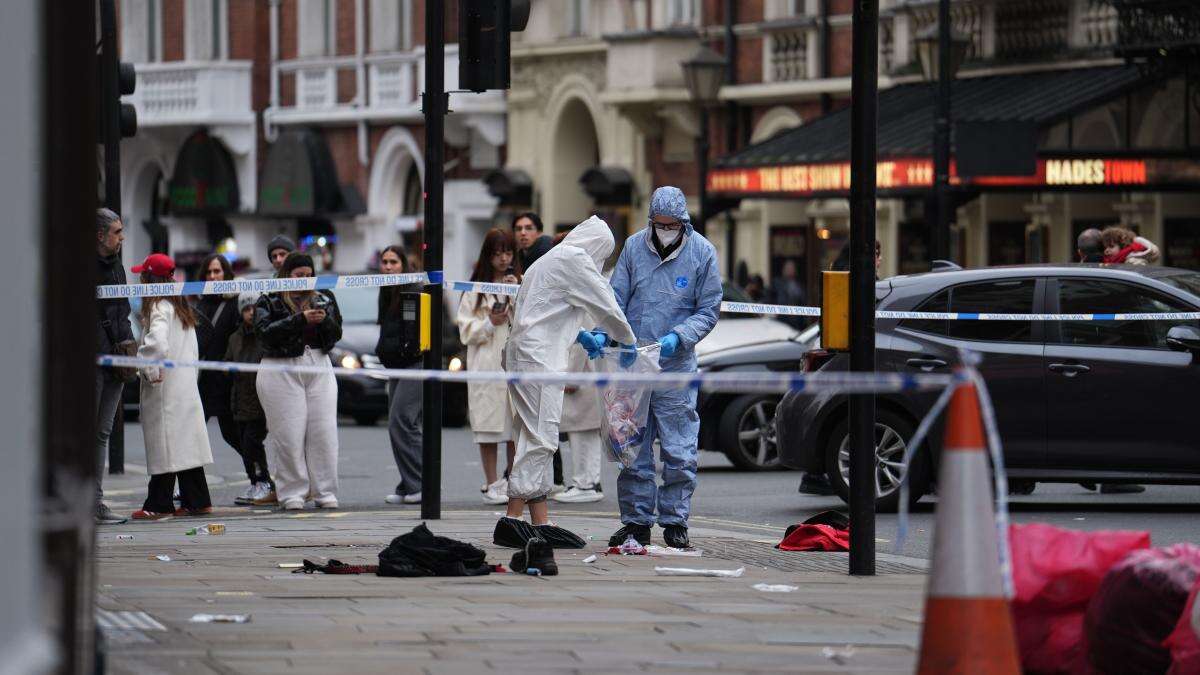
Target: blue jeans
108, 397
674, 422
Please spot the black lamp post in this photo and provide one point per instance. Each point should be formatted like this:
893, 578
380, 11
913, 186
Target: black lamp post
704, 73
941, 51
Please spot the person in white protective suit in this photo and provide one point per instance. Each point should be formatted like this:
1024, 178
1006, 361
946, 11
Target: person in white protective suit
563, 292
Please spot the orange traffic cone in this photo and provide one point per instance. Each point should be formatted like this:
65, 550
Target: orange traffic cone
968, 627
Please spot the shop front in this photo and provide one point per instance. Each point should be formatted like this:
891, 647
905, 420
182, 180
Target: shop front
1106, 146
300, 193
202, 195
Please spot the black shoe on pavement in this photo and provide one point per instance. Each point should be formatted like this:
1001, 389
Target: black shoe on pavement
1121, 489
512, 533
559, 537
816, 484
1088, 486
676, 536
105, 516
639, 532
537, 554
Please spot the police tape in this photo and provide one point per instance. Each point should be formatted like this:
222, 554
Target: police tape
794, 310
335, 282
762, 382
319, 283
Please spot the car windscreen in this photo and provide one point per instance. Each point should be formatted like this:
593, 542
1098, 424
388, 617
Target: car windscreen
358, 305
1186, 281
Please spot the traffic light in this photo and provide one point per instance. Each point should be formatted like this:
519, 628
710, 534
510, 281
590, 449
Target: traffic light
117, 120
484, 28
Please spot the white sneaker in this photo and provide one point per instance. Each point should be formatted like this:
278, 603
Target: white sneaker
331, 503
497, 493
558, 489
574, 495
412, 499
394, 499
247, 497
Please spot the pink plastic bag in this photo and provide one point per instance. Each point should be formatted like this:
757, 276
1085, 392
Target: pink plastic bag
1184, 641
1055, 574
1137, 607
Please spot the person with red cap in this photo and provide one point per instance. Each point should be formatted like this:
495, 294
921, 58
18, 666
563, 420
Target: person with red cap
176, 436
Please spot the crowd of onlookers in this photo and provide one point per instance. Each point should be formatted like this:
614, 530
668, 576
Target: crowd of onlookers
281, 422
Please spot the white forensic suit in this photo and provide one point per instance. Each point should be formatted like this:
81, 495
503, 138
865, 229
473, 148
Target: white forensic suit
560, 293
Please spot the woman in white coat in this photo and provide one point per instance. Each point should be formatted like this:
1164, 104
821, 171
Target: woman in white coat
176, 437
483, 324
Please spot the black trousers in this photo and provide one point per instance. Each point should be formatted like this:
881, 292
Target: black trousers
193, 491
251, 437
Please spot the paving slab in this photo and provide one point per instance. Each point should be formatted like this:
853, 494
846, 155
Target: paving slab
614, 615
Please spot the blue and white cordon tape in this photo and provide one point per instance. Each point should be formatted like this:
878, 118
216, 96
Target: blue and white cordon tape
336, 282
319, 283
849, 383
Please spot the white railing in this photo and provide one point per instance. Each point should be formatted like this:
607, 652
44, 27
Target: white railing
392, 80
787, 55
192, 92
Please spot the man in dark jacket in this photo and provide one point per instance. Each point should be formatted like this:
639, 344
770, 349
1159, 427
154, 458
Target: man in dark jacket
531, 243
114, 336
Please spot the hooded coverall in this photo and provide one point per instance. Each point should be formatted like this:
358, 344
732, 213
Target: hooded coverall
557, 295
680, 294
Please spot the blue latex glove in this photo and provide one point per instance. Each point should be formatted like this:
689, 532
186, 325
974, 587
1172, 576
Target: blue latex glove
668, 344
593, 345
628, 355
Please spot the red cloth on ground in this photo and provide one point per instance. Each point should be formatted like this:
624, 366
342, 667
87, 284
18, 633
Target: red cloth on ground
816, 538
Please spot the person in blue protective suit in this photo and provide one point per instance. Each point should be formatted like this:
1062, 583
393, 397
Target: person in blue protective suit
669, 287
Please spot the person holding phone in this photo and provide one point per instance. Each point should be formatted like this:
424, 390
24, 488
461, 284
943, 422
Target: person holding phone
299, 328
483, 325
404, 396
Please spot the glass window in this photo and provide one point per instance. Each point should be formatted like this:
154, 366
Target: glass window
940, 302
992, 297
1095, 296
577, 17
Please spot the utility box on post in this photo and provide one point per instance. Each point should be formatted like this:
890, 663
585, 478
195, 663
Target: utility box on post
835, 311
484, 41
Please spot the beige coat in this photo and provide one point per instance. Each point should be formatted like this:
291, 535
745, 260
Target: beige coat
176, 436
488, 403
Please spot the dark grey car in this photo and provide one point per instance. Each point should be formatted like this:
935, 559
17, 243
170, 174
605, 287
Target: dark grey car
1076, 401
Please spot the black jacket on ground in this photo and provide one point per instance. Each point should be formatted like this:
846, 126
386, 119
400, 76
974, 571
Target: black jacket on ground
537, 249
218, 319
112, 320
243, 396
282, 335
390, 348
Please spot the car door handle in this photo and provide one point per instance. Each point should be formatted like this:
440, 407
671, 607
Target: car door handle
1069, 369
926, 364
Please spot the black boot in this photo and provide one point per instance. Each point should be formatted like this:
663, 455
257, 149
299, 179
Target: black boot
816, 484
512, 533
639, 532
676, 536
538, 555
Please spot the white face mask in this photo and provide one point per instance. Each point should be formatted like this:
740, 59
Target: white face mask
667, 237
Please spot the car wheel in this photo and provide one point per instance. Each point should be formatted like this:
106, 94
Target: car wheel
366, 419
892, 433
747, 433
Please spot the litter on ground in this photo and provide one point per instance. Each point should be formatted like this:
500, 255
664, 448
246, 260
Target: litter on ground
691, 572
220, 618
774, 588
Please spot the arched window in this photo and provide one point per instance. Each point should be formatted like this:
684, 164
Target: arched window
413, 195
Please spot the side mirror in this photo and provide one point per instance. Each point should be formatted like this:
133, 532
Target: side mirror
1184, 339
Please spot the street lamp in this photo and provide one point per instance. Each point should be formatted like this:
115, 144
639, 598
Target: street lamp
941, 51
704, 73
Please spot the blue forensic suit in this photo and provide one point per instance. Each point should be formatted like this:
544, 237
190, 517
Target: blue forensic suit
681, 294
